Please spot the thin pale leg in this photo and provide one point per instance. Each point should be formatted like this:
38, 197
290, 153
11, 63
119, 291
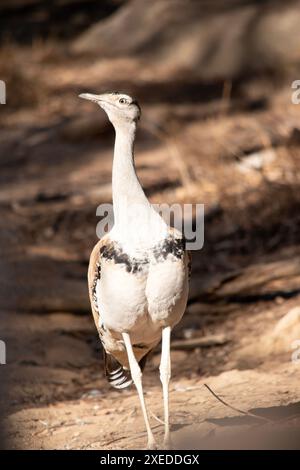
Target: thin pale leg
165, 375
136, 374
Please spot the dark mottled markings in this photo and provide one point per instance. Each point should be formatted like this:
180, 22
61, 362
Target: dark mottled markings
97, 276
116, 254
170, 246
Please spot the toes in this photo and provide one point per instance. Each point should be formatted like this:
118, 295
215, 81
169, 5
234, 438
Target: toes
152, 445
167, 445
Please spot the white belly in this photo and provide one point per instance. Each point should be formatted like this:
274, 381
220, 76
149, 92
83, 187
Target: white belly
167, 291
143, 302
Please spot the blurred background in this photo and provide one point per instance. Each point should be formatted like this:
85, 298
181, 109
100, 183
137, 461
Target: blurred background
213, 78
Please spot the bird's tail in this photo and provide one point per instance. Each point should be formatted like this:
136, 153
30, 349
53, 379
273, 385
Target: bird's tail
117, 375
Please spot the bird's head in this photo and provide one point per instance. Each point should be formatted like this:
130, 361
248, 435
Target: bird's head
120, 108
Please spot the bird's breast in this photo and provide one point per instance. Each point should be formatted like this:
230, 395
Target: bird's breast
145, 291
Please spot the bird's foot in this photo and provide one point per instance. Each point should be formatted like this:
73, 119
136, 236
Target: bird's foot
167, 444
152, 444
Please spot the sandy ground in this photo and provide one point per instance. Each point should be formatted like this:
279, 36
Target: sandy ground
59, 399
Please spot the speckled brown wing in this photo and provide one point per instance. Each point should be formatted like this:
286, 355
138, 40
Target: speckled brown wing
94, 273
116, 374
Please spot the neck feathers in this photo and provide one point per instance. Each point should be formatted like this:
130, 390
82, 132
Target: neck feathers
127, 190
136, 222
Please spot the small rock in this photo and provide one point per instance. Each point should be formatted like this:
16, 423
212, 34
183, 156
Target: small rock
92, 394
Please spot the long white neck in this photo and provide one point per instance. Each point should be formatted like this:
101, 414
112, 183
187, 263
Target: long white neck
136, 222
126, 187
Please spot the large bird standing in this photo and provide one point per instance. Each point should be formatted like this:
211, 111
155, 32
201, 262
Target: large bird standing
138, 272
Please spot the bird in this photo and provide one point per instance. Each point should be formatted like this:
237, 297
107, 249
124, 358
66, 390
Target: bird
138, 275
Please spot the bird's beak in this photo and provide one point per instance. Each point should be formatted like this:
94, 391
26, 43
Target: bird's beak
91, 97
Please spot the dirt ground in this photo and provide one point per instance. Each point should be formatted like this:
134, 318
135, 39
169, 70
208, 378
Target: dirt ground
58, 398
233, 146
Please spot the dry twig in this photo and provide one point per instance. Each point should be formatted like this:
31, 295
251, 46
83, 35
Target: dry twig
237, 410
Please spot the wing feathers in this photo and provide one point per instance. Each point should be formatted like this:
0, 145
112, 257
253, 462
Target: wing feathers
117, 375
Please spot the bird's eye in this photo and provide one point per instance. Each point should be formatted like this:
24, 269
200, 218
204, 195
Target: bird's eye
122, 100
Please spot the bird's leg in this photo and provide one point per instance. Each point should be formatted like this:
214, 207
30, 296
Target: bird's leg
136, 374
165, 375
